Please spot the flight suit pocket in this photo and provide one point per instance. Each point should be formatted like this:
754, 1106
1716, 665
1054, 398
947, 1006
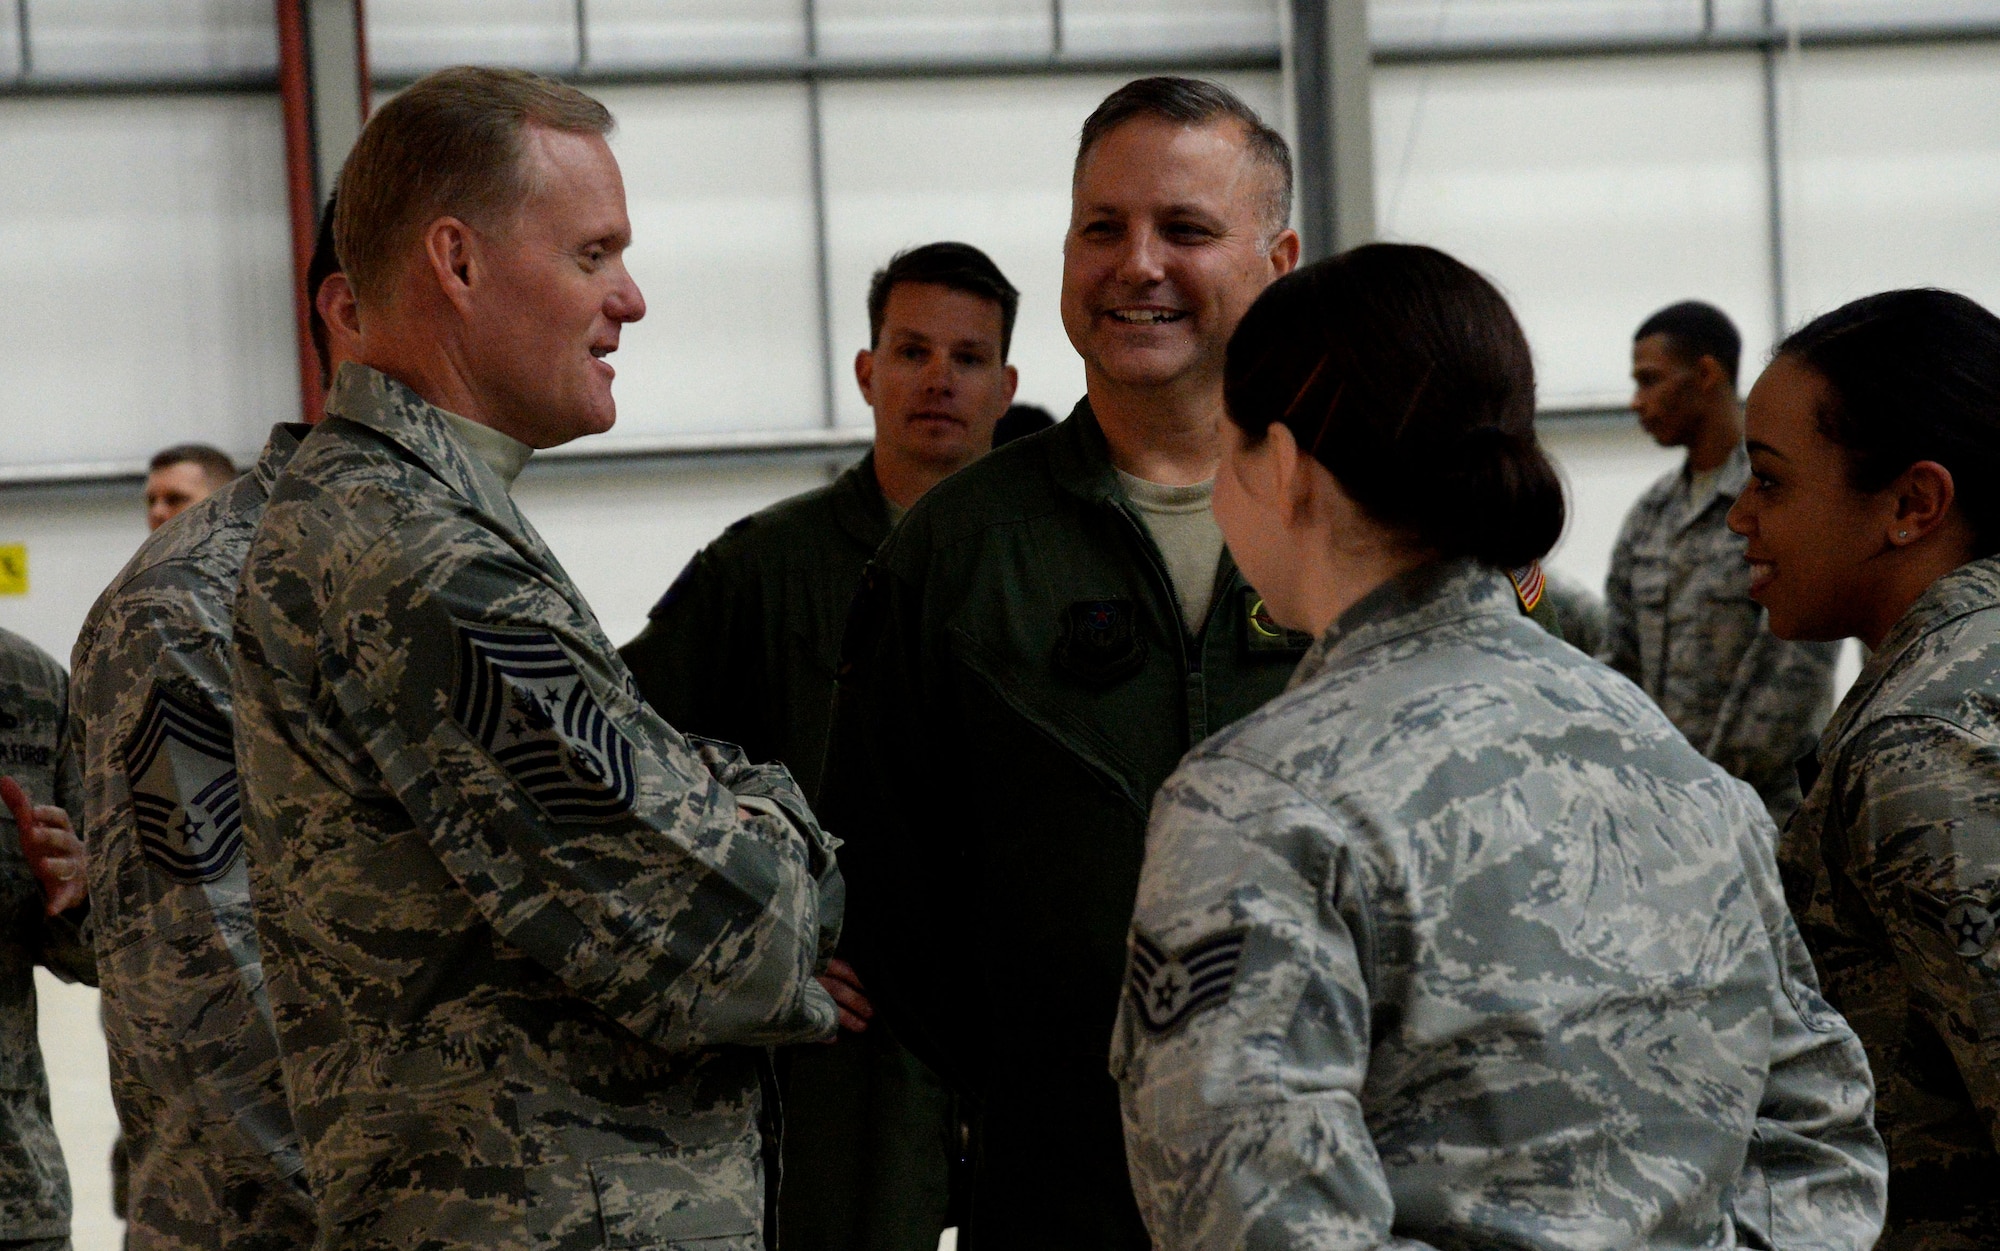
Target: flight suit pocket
706, 1201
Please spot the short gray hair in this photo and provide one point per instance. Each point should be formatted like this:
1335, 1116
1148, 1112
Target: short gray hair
1196, 102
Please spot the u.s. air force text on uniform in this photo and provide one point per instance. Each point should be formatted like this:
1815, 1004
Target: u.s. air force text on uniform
214, 1157
525, 943
1459, 944
1893, 867
34, 1186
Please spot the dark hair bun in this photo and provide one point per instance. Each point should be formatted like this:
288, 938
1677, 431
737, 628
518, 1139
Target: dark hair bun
1405, 374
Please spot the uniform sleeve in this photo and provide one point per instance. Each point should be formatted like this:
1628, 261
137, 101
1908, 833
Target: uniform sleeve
1620, 646
1242, 1040
584, 829
1777, 704
65, 946
1921, 800
1816, 1174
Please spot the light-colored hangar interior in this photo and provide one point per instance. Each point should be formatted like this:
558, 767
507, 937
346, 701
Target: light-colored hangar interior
1598, 159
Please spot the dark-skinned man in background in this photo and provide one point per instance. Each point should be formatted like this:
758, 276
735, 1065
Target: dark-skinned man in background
1679, 620
743, 646
1033, 650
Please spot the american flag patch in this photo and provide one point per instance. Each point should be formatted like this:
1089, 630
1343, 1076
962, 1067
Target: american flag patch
1528, 584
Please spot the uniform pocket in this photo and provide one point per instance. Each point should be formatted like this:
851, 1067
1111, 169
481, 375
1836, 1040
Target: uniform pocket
709, 1200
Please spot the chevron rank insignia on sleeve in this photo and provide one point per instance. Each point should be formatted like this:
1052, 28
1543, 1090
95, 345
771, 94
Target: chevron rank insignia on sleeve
1966, 919
181, 766
521, 698
1167, 989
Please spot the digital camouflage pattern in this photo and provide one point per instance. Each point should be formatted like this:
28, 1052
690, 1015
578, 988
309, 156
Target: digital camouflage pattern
1679, 621
1458, 944
214, 1158
525, 943
34, 1185
1893, 867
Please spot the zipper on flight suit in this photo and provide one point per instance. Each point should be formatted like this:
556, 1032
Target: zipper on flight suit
1194, 685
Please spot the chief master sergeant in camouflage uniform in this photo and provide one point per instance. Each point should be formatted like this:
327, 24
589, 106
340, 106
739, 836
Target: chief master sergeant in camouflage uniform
34, 1185
1458, 943
526, 944
1679, 620
743, 647
214, 1157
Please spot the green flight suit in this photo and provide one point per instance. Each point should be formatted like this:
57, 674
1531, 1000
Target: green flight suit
1017, 683
743, 647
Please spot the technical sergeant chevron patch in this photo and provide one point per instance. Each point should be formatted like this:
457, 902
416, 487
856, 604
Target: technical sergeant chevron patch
1167, 989
520, 697
181, 767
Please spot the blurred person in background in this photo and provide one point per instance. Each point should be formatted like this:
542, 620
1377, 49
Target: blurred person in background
211, 1156
44, 920
1578, 613
526, 945
1331, 1035
1020, 421
182, 476
743, 647
1033, 649
1679, 620
1873, 512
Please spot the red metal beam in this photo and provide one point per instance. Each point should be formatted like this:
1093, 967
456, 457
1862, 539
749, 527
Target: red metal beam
295, 89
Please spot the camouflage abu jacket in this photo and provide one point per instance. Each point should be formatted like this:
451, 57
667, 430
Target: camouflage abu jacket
525, 943
1679, 621
1458, 944
34, 1186
215, 1161
1893, 867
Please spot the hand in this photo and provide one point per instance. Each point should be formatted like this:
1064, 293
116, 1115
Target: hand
844, 984
51, 847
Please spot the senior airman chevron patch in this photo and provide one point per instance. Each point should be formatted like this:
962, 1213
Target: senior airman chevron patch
1167, 989
181, 766
519, 695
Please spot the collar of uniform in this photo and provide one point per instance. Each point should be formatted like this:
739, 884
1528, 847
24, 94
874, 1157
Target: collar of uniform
859, 505
1970, 588
1728, 483
1422, 599
1080, 458
278, 452
371, 398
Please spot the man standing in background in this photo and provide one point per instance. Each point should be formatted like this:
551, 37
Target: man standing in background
1679, 620
43, 920
743, 646
182, 476
1036, 646
212, 1155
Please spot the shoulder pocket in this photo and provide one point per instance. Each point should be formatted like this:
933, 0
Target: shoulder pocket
710, 1202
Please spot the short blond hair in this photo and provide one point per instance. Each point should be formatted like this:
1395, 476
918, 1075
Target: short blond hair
448, 146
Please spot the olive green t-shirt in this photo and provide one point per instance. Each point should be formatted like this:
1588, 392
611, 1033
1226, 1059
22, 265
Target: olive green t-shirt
1185, 531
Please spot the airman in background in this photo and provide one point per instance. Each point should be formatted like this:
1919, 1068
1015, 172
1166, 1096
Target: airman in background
44, 920
526, 944
743, 647
1679, 620
179, 477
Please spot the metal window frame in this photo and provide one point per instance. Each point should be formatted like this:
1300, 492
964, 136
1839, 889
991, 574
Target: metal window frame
830, 440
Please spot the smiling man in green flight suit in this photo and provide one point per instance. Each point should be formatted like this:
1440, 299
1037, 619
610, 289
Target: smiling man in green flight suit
743, 646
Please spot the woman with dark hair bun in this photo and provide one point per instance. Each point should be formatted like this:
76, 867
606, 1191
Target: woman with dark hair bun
1873, 511
1458, 942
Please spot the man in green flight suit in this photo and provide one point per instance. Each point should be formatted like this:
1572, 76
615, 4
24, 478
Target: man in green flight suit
742, 647
1034, 649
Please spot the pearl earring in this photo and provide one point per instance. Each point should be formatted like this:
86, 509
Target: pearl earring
1902, 534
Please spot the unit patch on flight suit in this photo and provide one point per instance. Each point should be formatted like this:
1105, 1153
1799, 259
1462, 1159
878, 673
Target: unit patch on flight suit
1168, 988
519, 695
181, 767
1100, 641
